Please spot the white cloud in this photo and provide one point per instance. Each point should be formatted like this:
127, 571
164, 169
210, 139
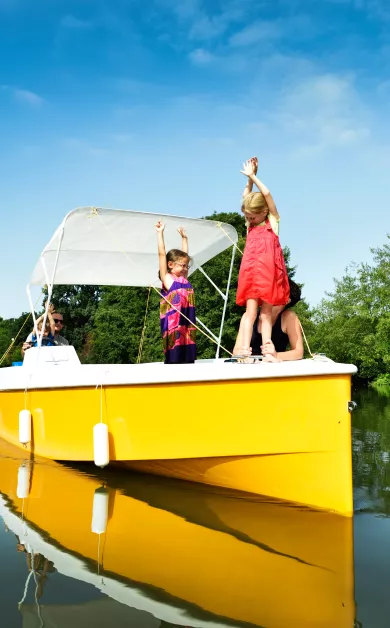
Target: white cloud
121, 138
24, 95
70, 21
322, 112
82, 146
197, 22
200, 56
257, 32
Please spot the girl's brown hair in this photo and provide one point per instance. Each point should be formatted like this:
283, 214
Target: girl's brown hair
174, 255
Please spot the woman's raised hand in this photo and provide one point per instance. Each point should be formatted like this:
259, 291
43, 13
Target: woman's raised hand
160, 226
182, 232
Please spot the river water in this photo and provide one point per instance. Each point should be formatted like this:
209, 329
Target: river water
81, 547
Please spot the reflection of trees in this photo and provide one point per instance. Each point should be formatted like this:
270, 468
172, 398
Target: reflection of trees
39, 565
371, 451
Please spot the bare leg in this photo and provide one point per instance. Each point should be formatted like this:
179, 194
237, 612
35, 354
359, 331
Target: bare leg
246, 326
266, 321
238, 347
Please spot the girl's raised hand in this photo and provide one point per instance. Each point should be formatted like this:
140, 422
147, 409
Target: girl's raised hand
249, 167
160, 226
182, 232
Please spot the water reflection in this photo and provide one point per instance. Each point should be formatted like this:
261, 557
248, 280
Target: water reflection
157, 553
371, 452
371, 475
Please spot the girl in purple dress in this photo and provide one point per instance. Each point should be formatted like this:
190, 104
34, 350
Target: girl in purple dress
177, 307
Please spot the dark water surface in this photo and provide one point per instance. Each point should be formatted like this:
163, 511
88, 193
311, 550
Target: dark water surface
80, 547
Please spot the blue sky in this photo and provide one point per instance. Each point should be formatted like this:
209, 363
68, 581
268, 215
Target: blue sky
153, 106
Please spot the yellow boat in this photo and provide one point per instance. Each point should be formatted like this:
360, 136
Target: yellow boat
186, 555
281, 430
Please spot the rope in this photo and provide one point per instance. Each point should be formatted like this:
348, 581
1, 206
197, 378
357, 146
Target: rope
5, 354
219, 224
96, 213
304, 336
190, 321
141, 343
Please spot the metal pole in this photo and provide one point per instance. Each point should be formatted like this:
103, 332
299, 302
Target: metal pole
226, 301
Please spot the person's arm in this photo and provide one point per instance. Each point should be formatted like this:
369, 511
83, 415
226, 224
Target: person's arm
50, 312
162, 256
293, 330
249, 170
184, 240
26, 345
249, 184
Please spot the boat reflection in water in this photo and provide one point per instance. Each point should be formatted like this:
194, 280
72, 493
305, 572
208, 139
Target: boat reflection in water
173, 553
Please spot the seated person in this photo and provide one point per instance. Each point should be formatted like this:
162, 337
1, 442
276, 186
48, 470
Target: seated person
48, 330
58, 339
286, 330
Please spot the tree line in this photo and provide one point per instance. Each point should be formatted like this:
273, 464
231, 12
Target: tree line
106, 323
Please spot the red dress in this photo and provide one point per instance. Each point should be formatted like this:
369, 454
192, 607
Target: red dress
263, 273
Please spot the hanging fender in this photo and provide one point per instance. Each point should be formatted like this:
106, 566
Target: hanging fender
25, 426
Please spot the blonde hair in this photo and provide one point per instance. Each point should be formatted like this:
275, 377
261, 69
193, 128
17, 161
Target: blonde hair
40, 325
254, 203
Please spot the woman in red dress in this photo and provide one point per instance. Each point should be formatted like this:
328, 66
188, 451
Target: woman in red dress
263, 276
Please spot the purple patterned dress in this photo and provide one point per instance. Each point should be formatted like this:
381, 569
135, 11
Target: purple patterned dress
178, 334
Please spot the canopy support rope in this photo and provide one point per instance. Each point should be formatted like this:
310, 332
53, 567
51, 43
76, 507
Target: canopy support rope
304, 336
141, 343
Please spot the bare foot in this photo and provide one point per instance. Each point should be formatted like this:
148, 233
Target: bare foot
242, 351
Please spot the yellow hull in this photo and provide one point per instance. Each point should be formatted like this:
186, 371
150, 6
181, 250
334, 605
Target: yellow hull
287, 438
212, 557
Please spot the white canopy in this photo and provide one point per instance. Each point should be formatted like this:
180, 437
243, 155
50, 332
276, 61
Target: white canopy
98, 246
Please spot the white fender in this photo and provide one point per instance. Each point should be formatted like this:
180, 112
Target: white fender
100, 511
101, 452
25, 426
23, 488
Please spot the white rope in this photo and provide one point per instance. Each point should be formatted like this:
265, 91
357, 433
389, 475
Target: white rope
25, 589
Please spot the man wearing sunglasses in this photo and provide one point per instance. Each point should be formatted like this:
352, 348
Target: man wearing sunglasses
58, 339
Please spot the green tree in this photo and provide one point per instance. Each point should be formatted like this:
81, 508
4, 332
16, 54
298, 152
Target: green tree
352, 324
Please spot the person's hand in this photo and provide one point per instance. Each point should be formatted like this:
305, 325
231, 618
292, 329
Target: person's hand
52, 309
255, 163
182, 232
249, 167
268, 349
26, 345
160, 226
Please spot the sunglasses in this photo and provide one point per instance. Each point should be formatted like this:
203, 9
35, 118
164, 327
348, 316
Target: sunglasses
58, 320
184, 266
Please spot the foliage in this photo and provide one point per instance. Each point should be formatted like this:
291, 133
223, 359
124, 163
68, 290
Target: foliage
9, 329
352, 324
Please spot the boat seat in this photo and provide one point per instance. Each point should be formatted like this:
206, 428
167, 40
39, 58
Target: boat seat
47, 356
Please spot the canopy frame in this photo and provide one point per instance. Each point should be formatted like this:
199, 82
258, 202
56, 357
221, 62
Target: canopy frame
51, 281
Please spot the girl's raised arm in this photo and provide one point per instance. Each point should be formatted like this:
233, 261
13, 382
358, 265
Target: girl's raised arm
249, 171
51, 319
252, 163
162, 256
184, 240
